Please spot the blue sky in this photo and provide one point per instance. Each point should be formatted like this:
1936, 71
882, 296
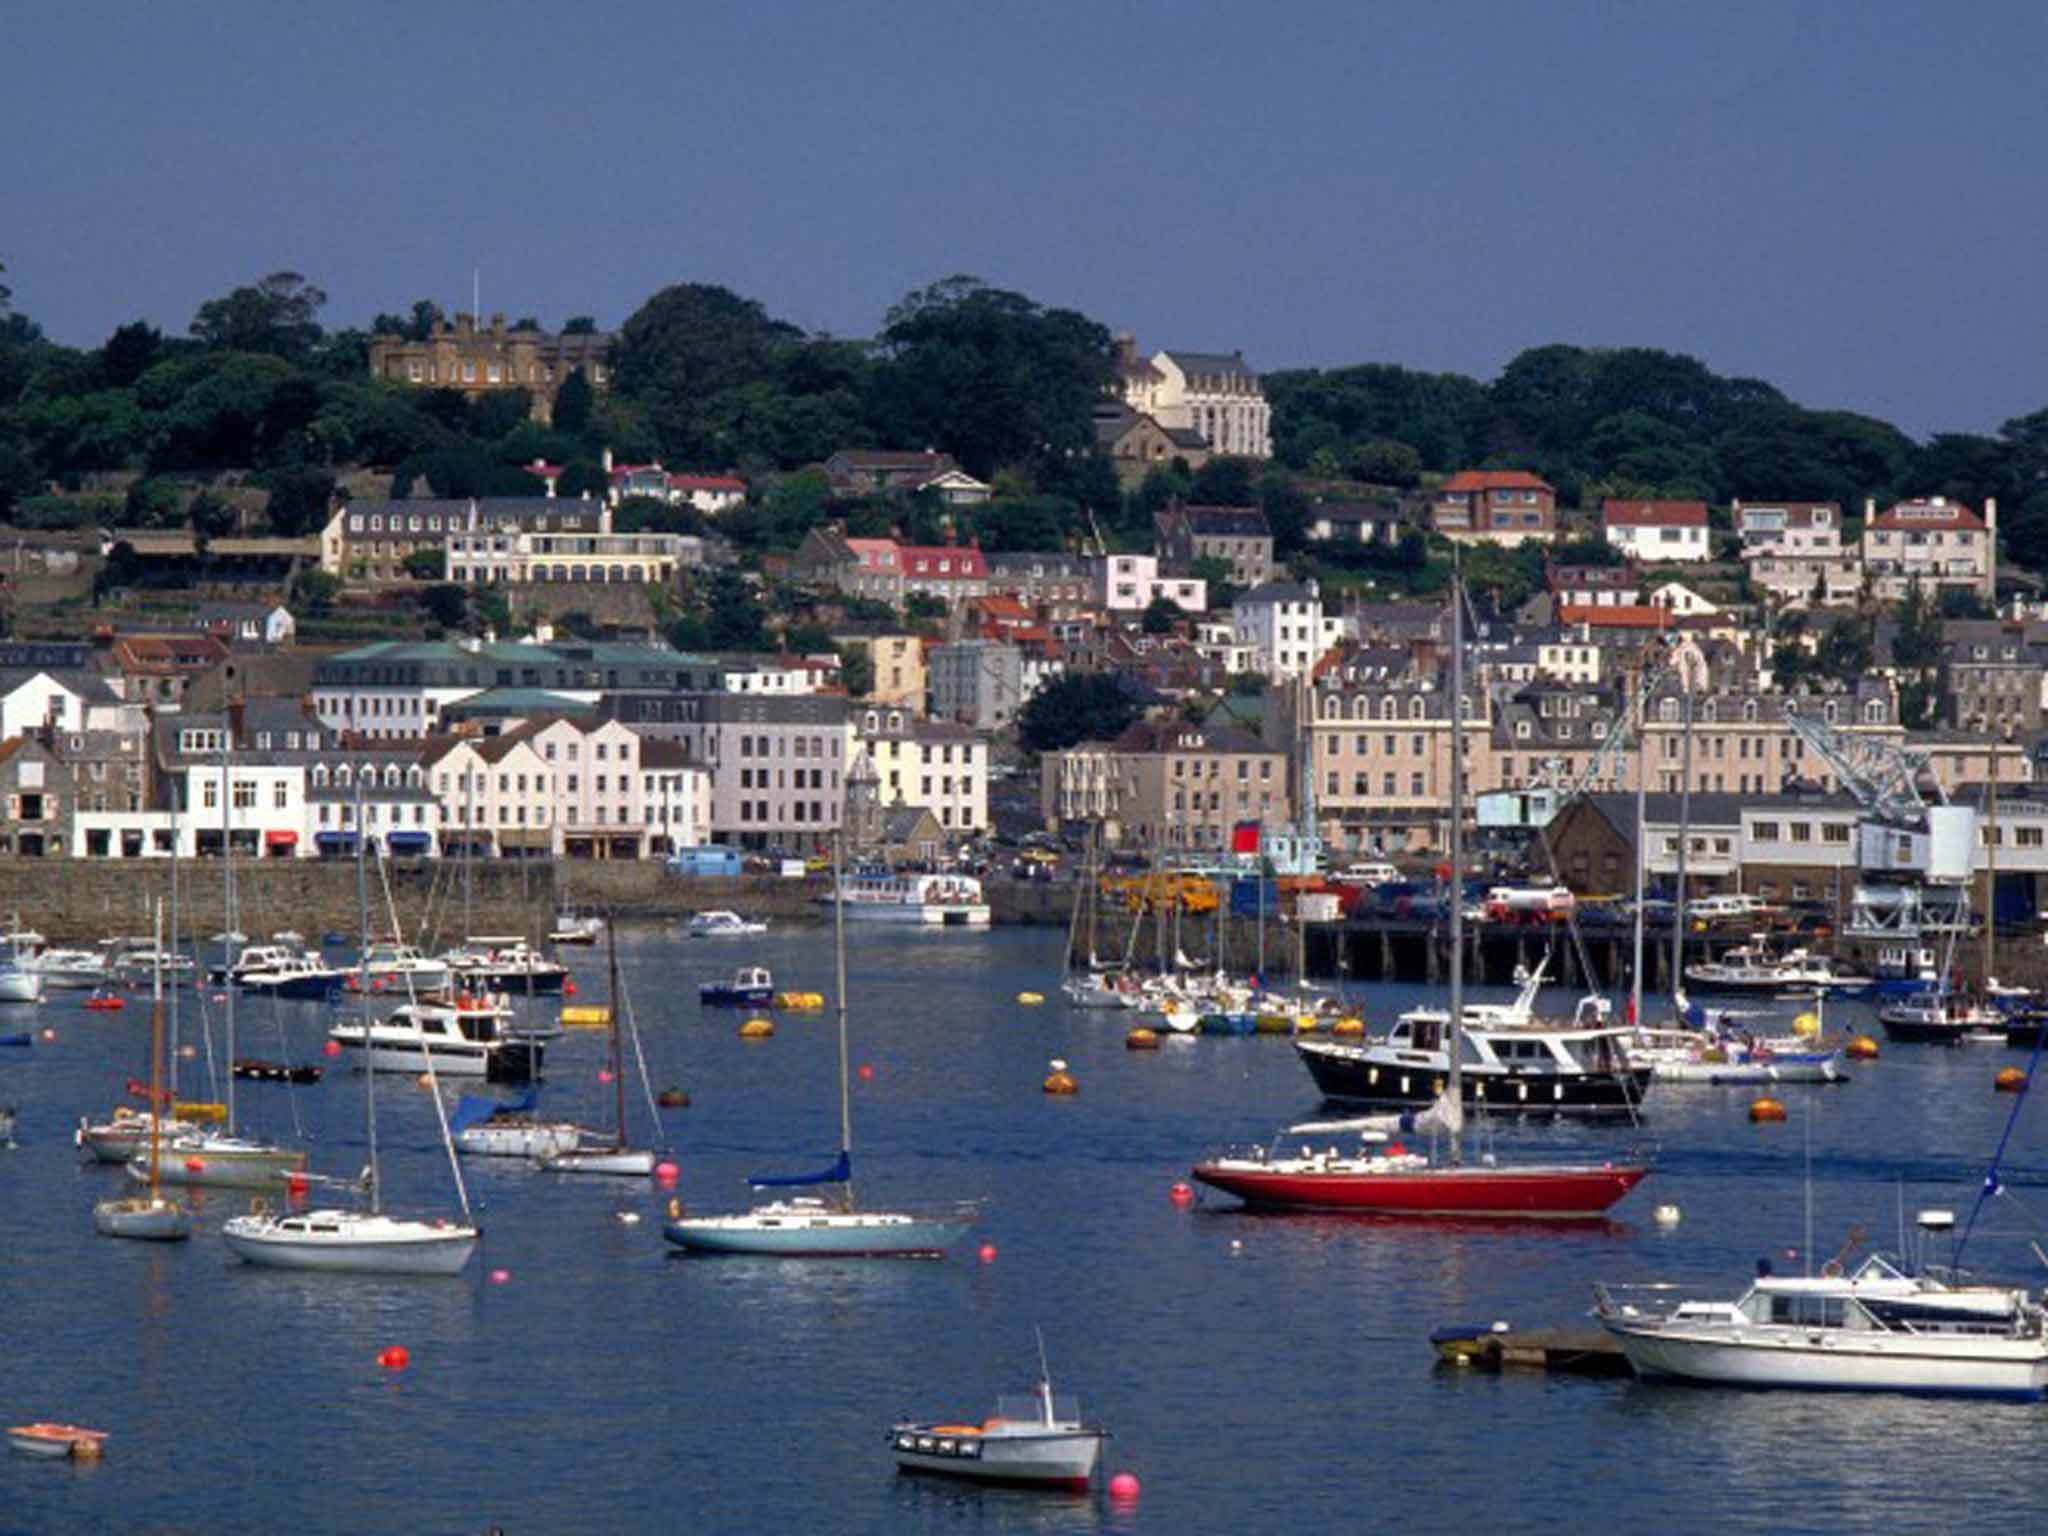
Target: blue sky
1841, 198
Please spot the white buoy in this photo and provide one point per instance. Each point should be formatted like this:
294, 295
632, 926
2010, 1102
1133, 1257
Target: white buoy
1667, 1215
629, 1218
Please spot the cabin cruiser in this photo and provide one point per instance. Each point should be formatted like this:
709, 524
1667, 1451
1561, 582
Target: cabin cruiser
403, 967
722, 925
507, 964
69, 969
452, 1040
1580, 1068
752, 986
281, 972
1874, 1329
1754, 969
573, 927
1936, 1018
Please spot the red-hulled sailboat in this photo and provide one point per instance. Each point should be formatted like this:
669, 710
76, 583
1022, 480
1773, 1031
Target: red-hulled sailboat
1382, 1176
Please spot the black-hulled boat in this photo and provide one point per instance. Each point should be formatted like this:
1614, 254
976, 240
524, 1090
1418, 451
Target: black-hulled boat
1531, 1069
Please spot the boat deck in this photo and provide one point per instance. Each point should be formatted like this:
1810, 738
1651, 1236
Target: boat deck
1567, 1351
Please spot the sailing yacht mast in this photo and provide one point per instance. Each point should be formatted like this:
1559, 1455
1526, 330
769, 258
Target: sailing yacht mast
1991, 873
363, 992
839, 982
1642, 714
228, 929
1456, 1042
611, 960
1684, 839
158, 1099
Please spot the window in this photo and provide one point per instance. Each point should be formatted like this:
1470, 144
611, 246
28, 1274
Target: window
1801, 831
1767, 831
279, 795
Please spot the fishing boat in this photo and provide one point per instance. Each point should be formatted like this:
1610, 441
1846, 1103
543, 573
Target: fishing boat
451, 1039
809, 1227
607, 1152
153, 1217
873, 894
752, 986
56, 1441
1877, 1328
722, 925
360, 1242
1037, 1440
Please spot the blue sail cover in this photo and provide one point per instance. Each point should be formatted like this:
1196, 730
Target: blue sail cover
471, 1110
839, 1173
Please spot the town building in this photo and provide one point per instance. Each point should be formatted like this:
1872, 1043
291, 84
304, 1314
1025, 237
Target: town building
247, 625
1138, 444
775, 765
1356, 522
978, 683
156, 669
1495, 506
874, 472
1658, 532
473, 361
1593, 586
1283, 626
1933, 543
1132, 583
1057, 586
1166, 784
898, 660
933, 765
1240, 537
37, 799
1795, 553
1217, 395
369, 542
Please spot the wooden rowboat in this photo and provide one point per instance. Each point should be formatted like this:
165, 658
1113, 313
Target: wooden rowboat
54, 1440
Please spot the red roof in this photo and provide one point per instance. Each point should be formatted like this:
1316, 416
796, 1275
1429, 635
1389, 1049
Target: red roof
875, 554
1656, 514
1618, 616
545, 470
962, 563
1933, 513
707, 483
1496, 480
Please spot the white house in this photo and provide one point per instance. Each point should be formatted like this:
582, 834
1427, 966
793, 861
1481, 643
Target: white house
936, 765
1682, 600
1282, 626
1130, 584
1659, 532
70, 701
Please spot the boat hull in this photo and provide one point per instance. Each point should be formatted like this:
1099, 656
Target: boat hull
723, 995
1553, 1194
518, 983
297, 988
801, 1237
926, 914
215, 1169
145, 1220
387, 1248
626, 1163
1054, 1458
1346, 1076
502, 1061
534, 1142
1814, 1068
1943, 1032
1785, 1358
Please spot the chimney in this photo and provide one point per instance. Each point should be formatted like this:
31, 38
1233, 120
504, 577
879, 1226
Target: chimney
497, 325
606, 456
1869, 509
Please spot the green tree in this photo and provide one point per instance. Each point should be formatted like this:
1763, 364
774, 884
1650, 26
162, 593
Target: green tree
446, 605
300, 499
1216, 572
1916, 657
989, 376
1386, 461
579, 325
1081, 706
1845, 651
1226, 481
1160, 615
489, 610
129, 352
857, 670
278, 315
923, 608
732, 616
210, 518
427, 564
313, 591
573, 404
579, 625
687, 344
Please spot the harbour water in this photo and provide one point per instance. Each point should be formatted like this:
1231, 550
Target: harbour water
1258, 1373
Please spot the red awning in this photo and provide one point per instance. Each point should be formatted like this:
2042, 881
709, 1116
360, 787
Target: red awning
281, 839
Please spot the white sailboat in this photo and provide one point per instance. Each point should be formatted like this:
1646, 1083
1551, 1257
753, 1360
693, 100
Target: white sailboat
224, 1159
809, 1227
598, 1152
360, 1242
153, 1217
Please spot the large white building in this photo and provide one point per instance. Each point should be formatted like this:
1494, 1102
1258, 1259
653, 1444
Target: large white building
1216, 394
1282, 627
777, 766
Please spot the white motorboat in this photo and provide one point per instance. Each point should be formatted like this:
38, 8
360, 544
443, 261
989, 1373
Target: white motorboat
505, 964
1036, 1440
573, 927
18, 983
1697, 1056
403, 969
456, 1040
1097, 989
351, 1241
284, 973
877, 895
1877, 1329
723, 925
1754, 969
70, 969
56, 1441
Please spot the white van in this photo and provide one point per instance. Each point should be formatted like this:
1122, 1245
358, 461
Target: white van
1370, 873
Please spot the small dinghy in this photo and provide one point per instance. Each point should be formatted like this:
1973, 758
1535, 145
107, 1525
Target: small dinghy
57, 1440
1034, 1441
23, 1037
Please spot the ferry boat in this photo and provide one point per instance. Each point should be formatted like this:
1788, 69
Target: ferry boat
877, 895
1581, 1068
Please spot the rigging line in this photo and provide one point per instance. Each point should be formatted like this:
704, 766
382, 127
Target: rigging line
625, 1000
1991, 1185
433, 1078
285, 1050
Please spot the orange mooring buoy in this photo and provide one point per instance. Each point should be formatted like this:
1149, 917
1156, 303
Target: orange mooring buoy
2011, 1080
1764, 1111
1861, 1048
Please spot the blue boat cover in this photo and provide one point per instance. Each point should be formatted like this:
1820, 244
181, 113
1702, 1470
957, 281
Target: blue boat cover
471, 1110
839, 1173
